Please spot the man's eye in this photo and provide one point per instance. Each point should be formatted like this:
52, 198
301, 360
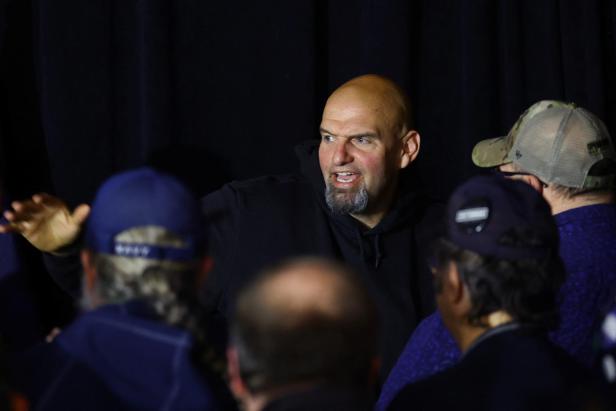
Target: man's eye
362, 140
327, 138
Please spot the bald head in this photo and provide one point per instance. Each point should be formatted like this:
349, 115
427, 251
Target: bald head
307, 287
380, 94
305, 320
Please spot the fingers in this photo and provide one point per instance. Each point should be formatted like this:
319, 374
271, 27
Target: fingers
27, 215
47, 200
7, 228
31, 208
25, 211
23, 215
12, 226
81, 213
18, 223
26, 207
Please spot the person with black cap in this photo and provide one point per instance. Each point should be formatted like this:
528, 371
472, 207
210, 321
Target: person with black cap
497, 276
143, 257
566, 154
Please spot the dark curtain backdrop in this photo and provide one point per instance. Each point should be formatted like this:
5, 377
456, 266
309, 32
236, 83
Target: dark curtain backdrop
221, 90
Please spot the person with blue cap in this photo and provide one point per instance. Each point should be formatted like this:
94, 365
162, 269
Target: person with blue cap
133, 347
497, 276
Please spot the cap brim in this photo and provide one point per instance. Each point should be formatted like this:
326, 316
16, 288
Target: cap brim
491, 152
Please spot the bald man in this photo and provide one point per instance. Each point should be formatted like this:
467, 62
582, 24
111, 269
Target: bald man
303, 337
352, 202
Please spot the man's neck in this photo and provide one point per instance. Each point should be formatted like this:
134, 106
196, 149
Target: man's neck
369, 220
466, 334
559, 204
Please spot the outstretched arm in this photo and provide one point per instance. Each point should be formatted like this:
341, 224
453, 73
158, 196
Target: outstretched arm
45, 221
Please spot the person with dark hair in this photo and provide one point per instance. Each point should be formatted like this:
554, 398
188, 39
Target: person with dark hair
566, 154
497, 277
354, 201
135, 345
303, 337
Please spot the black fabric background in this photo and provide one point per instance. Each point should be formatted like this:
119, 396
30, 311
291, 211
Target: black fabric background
221, 90
224, 90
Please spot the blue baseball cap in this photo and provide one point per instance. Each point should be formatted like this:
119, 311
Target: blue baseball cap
146, 198
487, 213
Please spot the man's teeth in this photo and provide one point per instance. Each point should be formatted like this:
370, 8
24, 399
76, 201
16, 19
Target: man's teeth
345, 177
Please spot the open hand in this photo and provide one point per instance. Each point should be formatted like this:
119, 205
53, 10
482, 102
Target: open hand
45, 221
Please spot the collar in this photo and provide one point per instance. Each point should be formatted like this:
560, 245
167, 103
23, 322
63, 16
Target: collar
500, 329
590, 212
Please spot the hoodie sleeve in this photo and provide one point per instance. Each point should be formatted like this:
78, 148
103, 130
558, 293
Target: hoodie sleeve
222, 211
64, 268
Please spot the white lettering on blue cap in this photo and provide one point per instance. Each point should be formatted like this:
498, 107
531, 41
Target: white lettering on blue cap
471, 215
129, 250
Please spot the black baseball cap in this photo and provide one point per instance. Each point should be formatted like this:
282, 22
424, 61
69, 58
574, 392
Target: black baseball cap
487, 213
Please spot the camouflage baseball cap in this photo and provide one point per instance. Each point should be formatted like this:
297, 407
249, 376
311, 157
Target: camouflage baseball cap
556, 141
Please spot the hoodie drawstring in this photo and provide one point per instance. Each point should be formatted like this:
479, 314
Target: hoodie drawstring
360, 240
378, 255
377, 251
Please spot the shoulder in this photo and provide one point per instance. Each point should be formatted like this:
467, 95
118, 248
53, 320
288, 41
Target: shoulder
268, 184
424, 395
266, 190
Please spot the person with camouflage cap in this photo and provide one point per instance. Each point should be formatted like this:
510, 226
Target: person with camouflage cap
565, 153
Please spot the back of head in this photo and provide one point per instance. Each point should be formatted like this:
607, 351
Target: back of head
504, 242
305, 321
146, 233
560, 143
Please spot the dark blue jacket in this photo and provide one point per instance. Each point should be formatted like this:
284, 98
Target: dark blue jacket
117, 357
509, 368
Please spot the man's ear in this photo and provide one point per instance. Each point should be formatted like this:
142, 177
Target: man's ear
236, 384
453, 283
456, 292
410, 148
534, 182
89, 269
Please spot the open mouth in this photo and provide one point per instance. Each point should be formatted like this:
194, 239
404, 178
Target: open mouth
346, 177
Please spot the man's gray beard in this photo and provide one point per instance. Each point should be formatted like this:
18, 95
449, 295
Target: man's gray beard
350, 203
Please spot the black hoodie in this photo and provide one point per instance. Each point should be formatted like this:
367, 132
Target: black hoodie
257, 223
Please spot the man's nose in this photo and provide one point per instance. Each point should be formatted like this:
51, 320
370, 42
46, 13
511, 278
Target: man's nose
341, 154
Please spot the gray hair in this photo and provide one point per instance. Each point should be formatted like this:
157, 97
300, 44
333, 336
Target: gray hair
163, 284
